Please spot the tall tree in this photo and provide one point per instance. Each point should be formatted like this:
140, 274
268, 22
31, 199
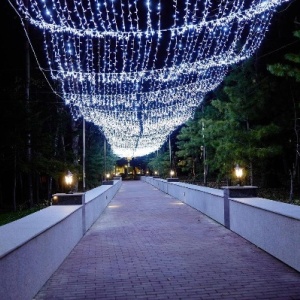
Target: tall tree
160, 162
290, 69
95, 160
239, 130
190, 144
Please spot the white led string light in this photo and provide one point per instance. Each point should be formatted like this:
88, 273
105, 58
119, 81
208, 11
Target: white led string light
139, 68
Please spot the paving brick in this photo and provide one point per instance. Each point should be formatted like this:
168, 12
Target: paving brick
148, 248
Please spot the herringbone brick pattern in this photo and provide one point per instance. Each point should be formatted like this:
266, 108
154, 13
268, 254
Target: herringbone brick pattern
148, 245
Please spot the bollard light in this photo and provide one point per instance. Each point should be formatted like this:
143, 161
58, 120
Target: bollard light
107, 176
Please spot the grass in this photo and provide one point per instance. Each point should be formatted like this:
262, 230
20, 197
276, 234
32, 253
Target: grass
279, 194
13, 216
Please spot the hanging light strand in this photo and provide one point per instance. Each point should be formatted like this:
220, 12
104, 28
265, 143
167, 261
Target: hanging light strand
138, 69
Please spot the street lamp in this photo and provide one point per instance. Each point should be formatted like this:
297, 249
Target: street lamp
238, 173
69, 181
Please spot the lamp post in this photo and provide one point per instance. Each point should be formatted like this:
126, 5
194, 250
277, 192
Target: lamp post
203, 152
238, 173
172, 173
83, 155
69, 181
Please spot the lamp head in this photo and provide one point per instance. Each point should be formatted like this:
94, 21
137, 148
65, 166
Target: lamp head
69, 178
238, 172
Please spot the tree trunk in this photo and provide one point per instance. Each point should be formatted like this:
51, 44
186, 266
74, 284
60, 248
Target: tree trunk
62, 138
27, 98
170, 152
83, 155
1, 194
193, 169
15, 181
21, 190
75, 149
251, 174
50, 180
104, 156
250, 164
291, 197
37, 188
293, 171
205, 167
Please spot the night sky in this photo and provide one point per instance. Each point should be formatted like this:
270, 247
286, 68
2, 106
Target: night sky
274, 46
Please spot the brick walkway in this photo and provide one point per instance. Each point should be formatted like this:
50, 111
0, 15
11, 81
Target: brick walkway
148, 245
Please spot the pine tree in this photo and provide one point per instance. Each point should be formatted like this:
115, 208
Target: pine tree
190, 144
238, 131
291, 69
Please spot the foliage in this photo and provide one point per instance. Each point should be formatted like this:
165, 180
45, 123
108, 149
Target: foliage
96, 162
242, 133
20, 213
160, 163
55, 146
190, 146
290, 69
234, 128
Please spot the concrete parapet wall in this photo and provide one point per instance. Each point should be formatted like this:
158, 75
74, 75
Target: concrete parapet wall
207, 200
97, 200
159, 183
272, 226
33, 247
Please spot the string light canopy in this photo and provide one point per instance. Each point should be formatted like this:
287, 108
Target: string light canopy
139, 68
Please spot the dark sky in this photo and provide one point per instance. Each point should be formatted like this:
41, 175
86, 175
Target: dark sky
280, 34
12, 40
12, 43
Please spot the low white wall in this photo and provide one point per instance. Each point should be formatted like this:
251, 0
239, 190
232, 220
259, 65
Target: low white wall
96, 201
33, 247
272, 226
160, 184
207, 200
